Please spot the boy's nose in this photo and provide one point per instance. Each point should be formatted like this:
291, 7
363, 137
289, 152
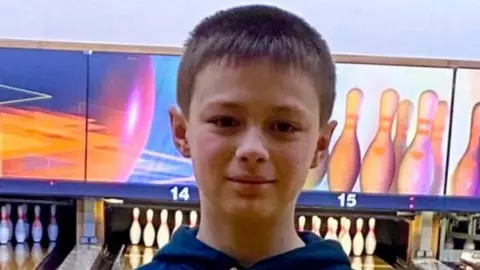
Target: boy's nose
251, 148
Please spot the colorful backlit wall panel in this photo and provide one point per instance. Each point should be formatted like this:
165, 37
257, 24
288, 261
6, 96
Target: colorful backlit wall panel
42, 114
103, 117
391, 135
386, 118
129, 138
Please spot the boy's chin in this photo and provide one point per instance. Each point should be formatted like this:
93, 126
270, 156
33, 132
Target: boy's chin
247, 209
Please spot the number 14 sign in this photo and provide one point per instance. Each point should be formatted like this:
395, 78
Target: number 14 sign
180, 193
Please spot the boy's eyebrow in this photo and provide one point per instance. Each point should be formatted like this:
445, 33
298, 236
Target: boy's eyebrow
224, 104
284, 108
288, 108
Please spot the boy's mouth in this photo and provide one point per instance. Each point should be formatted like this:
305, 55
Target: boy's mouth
251, 180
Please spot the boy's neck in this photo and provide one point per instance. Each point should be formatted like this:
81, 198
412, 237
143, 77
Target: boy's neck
248, 242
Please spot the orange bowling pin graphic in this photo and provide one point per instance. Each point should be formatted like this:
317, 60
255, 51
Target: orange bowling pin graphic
415, 175
465, 177
404, 116
438, 130
378, 168
344, 164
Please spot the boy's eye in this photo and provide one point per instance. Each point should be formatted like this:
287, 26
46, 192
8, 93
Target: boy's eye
285, 127
224, 121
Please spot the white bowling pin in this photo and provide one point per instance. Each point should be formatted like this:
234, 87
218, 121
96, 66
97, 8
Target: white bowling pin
335, 229
342, 178
416, 172
316, 223
438, 130
178, 220
193, 219
332, 229
342, 228
9, 221
37, 228
346, 240
465, 177
135, 229
27, 225
163, 234
149, 230
52, 229
4, 230
378, 167
301, 223
371, 239
403, 119
20, 233
358, 241
329, 233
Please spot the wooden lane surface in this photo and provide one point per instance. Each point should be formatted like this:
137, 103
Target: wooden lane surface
26, 256
369, 263
136, 256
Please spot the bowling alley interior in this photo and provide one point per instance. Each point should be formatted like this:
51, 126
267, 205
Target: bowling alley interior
90, 178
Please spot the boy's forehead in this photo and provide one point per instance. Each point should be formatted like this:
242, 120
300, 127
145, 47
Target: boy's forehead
238, 65
224, 85
259, 73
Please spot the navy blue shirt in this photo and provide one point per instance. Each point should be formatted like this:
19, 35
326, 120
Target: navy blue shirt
185, 251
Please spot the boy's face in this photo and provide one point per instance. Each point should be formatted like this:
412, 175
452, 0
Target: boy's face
252, 133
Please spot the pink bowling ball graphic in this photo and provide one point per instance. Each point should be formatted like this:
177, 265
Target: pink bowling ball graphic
121, 110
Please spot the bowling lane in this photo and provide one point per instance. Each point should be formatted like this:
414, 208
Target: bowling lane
369, 263
136, 256
22, 256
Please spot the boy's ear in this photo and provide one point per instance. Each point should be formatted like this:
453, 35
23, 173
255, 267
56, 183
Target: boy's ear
178, 124
322, 143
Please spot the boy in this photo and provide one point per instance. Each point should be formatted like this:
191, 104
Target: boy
256, 87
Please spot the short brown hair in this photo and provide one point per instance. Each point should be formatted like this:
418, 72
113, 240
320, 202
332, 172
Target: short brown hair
245, 33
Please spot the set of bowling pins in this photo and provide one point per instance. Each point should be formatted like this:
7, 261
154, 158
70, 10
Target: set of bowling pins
21, 230
163, 233
136, 255
358, 244
388, 164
